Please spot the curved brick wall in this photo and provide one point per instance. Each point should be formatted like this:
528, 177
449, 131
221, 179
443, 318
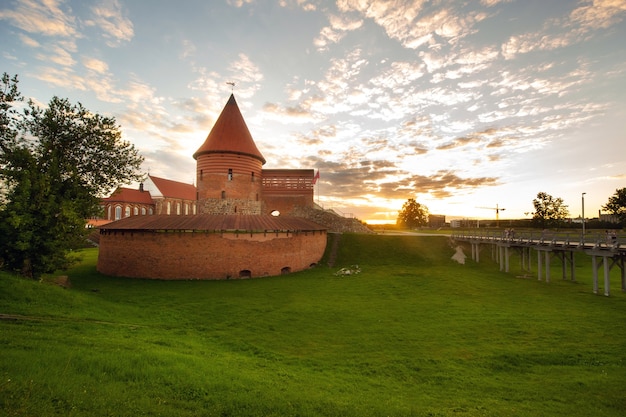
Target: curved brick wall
212, 177
207, 255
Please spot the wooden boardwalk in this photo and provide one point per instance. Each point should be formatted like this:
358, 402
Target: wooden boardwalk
606, 251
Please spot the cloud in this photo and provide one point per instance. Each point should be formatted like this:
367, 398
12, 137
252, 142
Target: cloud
96, 65
412, 23
28, 41
339, 26
565, 31
288, 114
306, 5
57, 55
239, 3
599, 14
45, 17
109, 17
246, 75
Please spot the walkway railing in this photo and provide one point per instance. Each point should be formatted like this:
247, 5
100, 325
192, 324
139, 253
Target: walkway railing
606, 250
558, 238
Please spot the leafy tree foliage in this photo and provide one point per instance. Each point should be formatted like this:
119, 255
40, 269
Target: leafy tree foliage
549, 211
55, 164
617, 204
412, 215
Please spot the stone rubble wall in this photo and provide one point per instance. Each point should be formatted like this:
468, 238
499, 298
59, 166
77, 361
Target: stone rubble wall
334, 222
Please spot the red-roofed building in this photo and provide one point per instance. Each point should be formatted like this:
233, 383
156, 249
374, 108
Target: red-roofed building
171, 197
154, 196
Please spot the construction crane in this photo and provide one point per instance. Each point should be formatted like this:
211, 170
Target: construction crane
498, 209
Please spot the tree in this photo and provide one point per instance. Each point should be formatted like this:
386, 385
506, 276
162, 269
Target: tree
412, 215
617, 204
549, 211
55, 164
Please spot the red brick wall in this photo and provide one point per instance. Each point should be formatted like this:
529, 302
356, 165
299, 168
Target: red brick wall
285, 204
200, 255
215, 183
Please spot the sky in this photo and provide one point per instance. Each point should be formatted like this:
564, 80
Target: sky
465, 106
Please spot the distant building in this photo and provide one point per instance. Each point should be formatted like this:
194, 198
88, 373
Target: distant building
609, 218
436, 220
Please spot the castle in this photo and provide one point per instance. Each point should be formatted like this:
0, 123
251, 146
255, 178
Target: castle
235, 223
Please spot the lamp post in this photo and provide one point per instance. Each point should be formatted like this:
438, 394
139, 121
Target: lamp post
583, 198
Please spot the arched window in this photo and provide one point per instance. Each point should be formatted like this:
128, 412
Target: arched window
245, 273
194, 208
127, 211
230, 174
223, 194
118, 212
136, 211
169, 207
109, 213
186, 208
151, 211
286, 270
143, 211
178, 209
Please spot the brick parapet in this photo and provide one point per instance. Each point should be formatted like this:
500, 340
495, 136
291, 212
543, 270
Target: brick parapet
206, 255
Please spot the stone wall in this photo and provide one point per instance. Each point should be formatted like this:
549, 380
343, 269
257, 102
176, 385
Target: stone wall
331, 220
229, 206
207, 255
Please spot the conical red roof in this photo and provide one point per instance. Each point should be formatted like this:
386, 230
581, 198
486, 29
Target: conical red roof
230, 135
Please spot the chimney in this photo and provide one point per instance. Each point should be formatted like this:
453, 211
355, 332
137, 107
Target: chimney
141, 187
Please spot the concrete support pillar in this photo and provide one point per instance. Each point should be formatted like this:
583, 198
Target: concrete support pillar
594, 266
539, 266
506, 258
547, 266
607, 281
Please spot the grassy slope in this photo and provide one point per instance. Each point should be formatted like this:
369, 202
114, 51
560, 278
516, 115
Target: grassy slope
413, 334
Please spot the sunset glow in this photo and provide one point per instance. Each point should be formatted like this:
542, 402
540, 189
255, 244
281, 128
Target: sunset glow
462, 106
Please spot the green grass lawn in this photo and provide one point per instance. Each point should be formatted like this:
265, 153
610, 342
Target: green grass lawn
414, 334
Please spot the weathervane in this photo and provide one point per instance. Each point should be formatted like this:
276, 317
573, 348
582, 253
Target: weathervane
232, 85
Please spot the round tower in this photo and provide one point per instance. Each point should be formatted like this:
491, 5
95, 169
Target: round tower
229, 167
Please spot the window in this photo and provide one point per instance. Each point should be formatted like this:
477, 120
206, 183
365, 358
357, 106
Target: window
169, 207
118, 212
194, 209
223, 194
178, 209
136, 211
230, 174
186, 208
108, 212
201, 173
151, 211
143, 211
252, 176
127, 212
